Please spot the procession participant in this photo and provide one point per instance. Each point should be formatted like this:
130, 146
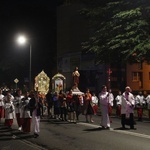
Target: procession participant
78, 105
9, 112
81, 101
1, 105
8, 97
111, 103
76, 76
148, 103
17, 104
127, 108
118, 104
63, 105
25, 113
104, 104
139, 103
35, 110
42, 101
70, 107
56, 103
88, 109
49, 102
95, 103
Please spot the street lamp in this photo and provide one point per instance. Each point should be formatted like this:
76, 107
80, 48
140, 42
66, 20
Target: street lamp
22, 40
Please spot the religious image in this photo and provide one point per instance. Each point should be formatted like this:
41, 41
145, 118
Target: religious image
58, 85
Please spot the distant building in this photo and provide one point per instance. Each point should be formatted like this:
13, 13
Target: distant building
138, 76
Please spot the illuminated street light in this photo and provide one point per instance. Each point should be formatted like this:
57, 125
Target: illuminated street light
22, 40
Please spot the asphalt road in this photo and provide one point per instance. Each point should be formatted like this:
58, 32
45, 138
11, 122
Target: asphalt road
58, 135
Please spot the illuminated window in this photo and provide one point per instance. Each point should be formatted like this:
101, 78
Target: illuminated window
136, 76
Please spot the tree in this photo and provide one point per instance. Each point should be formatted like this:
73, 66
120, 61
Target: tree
121, 30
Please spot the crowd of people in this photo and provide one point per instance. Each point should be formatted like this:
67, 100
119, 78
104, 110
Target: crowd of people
126, 104
28, 108
25, 108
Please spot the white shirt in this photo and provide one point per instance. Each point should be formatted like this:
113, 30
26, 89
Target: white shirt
128, 103
111, 99
148, 101
139, 99
118, 99
95, 100
1, 100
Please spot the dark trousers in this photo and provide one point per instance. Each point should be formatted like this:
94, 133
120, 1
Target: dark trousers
63, 113
124, 120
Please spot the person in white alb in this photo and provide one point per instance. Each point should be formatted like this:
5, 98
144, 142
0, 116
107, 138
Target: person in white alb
11, 97
9, 111
118, 104
111, 103
1, 105
95, 103
17, 103
104, 104
25, 113
127, 108
139, 103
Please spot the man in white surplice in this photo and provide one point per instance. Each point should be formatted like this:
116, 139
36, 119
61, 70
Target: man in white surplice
127, 108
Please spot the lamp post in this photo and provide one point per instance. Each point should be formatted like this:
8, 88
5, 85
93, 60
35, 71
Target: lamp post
22, 40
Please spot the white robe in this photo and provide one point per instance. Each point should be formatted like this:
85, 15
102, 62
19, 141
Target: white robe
17, 103
139, 100
9, 110
104, 101
25, 111
118, 99
127, 107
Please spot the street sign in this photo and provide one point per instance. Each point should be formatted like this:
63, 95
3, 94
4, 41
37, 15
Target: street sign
16, 80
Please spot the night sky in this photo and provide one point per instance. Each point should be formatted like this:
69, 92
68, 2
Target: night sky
37, 20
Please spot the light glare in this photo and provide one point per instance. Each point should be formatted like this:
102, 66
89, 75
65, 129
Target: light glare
21, 40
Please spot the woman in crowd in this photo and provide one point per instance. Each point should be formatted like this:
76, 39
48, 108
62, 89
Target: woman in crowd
56, 104
63, 105
88, 109
71, 107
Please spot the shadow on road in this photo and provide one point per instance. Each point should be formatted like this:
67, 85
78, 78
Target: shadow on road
95, 129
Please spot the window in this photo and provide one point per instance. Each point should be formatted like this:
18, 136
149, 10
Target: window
136, 76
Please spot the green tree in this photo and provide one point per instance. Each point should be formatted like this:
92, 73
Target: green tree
121, 30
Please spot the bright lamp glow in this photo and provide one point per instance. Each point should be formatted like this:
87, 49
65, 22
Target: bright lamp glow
21, 40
